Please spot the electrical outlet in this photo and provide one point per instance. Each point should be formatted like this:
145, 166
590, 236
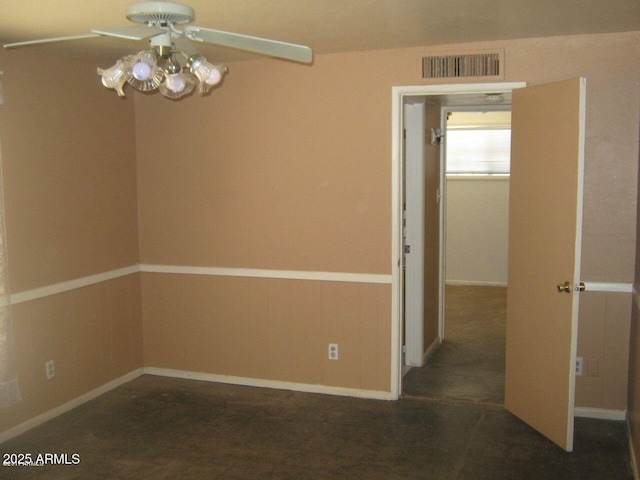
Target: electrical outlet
579, 363
333, 351
50, 369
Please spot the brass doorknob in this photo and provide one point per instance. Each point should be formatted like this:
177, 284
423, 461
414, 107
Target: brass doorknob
564, 287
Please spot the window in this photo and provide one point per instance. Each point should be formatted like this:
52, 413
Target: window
473, 151
478, 142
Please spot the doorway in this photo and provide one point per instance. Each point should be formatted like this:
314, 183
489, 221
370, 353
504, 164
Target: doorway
443, 96
469, 364
544, 245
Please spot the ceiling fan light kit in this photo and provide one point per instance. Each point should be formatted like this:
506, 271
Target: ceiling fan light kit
159, 67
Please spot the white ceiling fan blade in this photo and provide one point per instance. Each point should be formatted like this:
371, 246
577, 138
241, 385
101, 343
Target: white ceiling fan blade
130, 32
49, 40
264, 46
133, 32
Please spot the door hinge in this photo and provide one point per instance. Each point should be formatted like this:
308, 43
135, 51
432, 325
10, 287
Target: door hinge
407, 249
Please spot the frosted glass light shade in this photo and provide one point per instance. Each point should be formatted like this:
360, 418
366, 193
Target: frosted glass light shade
177, 85
116, 76
145, 73
207, 73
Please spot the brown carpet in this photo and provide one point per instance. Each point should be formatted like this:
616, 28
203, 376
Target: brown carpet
161, 428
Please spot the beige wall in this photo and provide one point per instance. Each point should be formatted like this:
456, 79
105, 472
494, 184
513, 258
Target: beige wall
269, 329
603, 337
477, 224
69, 164
93, 334
292, 175
287, 167
68, 159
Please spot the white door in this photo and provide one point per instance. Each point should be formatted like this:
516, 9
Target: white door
545, 220
421, 231
414, 221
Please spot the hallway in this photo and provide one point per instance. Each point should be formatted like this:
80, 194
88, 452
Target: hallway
469, 365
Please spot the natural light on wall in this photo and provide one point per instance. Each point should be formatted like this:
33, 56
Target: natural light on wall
9, 389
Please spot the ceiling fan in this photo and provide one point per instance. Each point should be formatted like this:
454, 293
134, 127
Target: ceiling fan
158, 67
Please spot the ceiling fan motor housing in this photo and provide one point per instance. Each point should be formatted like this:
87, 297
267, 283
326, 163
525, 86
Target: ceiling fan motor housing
160, 14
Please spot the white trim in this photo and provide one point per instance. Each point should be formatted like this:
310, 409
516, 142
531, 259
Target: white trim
77, 283
589, 286
608, 287
274, 384
600, 413
397, 172
458, 89
62, 287
70, 405
634, 460
259, 273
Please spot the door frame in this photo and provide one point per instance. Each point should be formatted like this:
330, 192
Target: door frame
397, 193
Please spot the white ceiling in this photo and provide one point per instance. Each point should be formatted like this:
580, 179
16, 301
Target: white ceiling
325, 25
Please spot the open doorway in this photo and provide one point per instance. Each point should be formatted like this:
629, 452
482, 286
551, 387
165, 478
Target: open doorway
542, 324
474, 198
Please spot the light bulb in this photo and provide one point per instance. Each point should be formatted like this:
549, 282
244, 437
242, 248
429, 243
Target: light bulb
214, 77
177, 85
141, 71
145, 74
175, 82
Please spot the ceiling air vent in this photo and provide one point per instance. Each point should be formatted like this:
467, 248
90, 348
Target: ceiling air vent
462, 66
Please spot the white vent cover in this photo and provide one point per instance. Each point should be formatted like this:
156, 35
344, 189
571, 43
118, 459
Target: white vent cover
459, 66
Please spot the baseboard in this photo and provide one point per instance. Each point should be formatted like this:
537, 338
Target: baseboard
600, 413
277, 385
431, 349
70, 405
